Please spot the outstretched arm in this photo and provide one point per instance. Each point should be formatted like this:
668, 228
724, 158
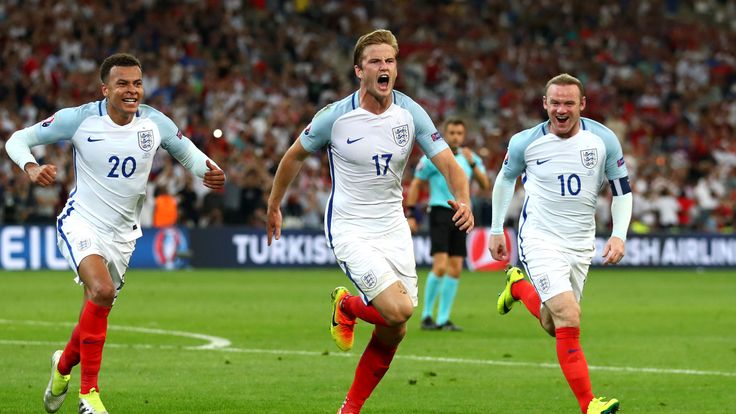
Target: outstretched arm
288, 168
18, 148
458, 183
503, 192
615, 248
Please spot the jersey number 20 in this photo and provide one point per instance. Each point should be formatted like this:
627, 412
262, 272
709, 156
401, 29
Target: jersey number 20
127, 167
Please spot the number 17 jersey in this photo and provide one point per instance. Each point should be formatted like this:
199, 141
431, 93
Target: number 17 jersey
367, 154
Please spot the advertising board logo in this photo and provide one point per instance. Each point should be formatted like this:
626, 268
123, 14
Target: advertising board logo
479, 257
170, 248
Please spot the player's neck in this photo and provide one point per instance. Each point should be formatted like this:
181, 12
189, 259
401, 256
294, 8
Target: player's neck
119, 117
374, 104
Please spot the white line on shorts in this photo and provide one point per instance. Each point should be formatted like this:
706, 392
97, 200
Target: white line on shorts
215, 343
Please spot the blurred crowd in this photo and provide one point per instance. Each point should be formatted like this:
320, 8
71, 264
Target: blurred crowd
660, 73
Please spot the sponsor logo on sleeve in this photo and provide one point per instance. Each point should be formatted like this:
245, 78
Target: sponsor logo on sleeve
436, 136
46, 122
620, 162
179, 134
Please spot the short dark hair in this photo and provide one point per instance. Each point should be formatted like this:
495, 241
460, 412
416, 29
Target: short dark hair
455, 121
118, 59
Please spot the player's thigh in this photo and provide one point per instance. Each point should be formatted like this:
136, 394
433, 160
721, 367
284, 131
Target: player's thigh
374, 264
547, 268
440, 224
77, 240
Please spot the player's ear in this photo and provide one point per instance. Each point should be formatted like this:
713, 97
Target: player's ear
104, 90
582, 104
358, 71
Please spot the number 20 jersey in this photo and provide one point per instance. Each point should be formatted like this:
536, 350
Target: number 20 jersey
367, 155
562, 179
111, 162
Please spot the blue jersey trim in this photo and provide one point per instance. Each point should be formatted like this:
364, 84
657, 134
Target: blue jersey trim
74, 160
99, 107
350, 276
332, 196
544, 130
352, 100
63, 236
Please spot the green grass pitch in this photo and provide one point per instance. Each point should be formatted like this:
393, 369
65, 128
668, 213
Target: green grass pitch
661, 341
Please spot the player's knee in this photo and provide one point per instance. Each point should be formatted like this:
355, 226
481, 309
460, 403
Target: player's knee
399, 315
102, 294
568, 318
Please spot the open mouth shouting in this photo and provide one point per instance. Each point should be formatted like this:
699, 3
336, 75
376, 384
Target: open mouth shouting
383, 81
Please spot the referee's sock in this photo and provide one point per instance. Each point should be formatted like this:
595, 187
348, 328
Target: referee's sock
430, 294
447, 297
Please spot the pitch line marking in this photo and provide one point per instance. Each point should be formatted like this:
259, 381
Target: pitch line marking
223, 345
213, 342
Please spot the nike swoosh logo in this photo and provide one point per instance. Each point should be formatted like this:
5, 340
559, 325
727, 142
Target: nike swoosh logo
540, 162
334, 322
354, 140
90, 139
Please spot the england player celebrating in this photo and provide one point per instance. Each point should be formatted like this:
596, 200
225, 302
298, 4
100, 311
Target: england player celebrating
369, 136
563, 163
114, 141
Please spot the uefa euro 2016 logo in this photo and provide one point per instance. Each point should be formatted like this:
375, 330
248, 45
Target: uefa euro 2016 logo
170, 248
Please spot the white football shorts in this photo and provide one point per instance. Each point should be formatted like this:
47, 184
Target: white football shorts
78, 239
553, 270
375, 263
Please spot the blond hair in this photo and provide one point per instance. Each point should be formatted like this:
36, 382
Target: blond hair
376, 37
565, 79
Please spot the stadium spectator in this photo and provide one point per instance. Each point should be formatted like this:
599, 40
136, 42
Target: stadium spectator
239, 72
113, 141
165, 211
557, 233
365, 225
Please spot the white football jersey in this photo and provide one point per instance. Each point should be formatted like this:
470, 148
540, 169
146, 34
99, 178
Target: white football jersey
111, 162
562, 179
367, 155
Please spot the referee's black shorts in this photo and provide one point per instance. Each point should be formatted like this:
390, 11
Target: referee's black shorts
446, 238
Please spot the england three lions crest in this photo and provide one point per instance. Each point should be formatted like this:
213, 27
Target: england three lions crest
145, 140
589, 157
401, 135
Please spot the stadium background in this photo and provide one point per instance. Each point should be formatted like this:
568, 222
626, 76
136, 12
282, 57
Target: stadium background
660, 73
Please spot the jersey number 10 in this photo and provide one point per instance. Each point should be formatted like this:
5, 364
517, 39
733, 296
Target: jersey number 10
573, 184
